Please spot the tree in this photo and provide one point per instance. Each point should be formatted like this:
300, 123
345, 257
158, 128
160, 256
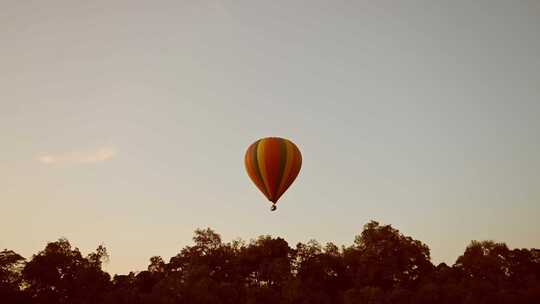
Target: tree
365, 295
209, 271
382, 266
11, 265
321, 274
381, 256
60, 274
485, 260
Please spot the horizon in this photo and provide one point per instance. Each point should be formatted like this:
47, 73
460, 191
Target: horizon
253, 240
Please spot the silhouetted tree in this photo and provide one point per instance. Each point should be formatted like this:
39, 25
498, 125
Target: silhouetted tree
11, 265
382, 257
320, 273
492, 273
60, 274
382, 266
365, 295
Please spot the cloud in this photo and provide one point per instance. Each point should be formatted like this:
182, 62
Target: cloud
89, 157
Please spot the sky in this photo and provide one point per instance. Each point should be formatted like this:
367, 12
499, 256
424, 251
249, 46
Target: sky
125, 123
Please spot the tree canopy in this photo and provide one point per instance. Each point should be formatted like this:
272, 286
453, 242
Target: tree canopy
381, 266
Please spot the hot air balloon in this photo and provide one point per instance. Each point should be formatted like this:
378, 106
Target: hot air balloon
273, 163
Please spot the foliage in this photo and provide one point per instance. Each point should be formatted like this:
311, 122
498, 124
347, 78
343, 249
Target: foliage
382, 266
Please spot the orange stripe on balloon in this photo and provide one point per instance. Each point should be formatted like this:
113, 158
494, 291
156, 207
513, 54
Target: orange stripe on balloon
261, 154
272, 151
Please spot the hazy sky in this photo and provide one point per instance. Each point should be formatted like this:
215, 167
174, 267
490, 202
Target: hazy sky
126, 122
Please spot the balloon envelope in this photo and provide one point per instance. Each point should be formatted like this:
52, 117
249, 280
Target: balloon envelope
273, 164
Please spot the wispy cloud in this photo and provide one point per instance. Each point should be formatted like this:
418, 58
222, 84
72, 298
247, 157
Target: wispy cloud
88, 157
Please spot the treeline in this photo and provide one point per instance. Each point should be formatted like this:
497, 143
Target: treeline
382, 266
